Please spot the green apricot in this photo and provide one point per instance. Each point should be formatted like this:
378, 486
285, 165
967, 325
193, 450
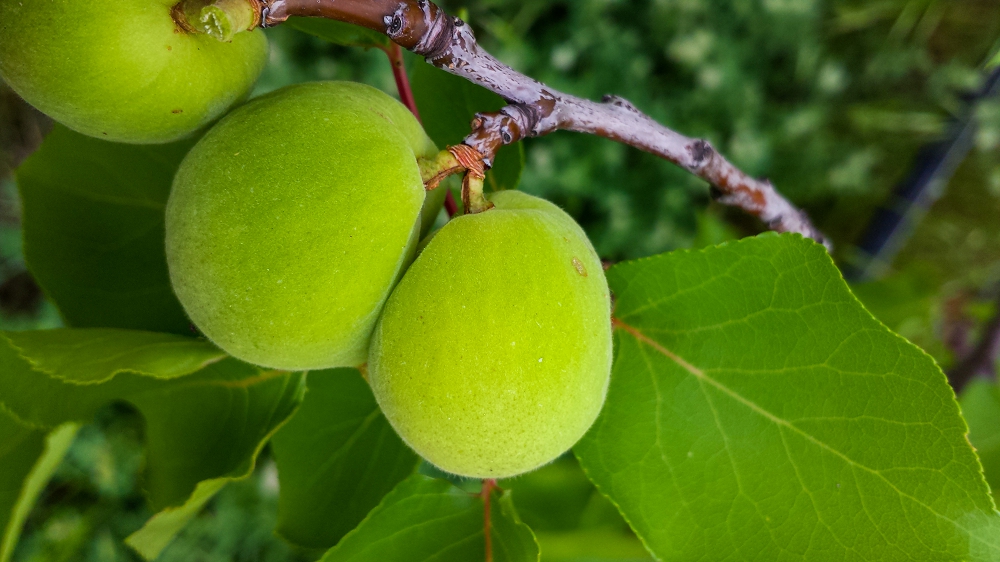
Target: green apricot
291, 220
493, 354
124, 70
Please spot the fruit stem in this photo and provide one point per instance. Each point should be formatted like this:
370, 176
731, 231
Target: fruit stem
487, 493
221, 19
395, 54
472, 194
434, 170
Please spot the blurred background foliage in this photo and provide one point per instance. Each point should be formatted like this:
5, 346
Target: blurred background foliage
830, 99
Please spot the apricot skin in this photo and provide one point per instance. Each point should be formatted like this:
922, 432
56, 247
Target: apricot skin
493, 354
291, 220
123, 71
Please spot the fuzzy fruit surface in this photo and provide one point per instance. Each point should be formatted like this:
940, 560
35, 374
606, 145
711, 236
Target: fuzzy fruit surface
493, 354
291, 220
123, 71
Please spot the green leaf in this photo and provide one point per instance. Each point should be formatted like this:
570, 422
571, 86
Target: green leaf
513, 541
425, 519
593, 545
981, 408
758, 411
338, 32
909, 302
93, 230
447, 106
96, 355
204, 422
555, 497
337, 458
28, 457
158, 532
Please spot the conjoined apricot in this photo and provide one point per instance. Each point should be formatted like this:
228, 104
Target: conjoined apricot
493, 354
291, 220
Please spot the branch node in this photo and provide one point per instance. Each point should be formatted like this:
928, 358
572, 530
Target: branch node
701, 151
618, 101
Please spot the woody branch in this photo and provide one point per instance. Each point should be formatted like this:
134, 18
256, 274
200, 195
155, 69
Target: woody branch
534, 109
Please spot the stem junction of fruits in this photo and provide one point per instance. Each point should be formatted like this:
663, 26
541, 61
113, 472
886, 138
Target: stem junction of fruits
455, 160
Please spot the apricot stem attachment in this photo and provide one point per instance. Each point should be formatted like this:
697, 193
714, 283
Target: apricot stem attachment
434, 170
472, 194
455, 160
221, 19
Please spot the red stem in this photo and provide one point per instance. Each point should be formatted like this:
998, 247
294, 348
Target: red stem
488, 487
395, 54
450, 205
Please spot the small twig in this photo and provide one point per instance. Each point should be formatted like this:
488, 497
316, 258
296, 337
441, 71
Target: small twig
395, 54
535, 109
982, 360
450, 205
487, 493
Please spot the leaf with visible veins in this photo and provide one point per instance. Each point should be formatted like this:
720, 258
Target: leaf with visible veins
758, 411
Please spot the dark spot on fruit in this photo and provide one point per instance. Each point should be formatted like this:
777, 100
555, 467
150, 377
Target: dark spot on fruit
580, 268
176, 111
169, 48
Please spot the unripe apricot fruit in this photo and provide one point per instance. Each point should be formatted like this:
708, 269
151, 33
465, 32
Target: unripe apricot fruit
124, 70
291, 220
493, 354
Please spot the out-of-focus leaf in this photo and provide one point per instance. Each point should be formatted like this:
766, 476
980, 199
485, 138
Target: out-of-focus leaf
28, 457
592, 545
981, 408
425, 519
337, 458
338, 32
757, 410
447, 106
93, 230
554, 497
206, 424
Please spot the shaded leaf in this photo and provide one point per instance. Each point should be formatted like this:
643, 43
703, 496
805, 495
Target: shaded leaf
338, 32
512, 539
337, 458
757, 410
93, 230
28, 457
592, 545
425, 519
981, 408
447, 106
158, 532
207, 424
554, 497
